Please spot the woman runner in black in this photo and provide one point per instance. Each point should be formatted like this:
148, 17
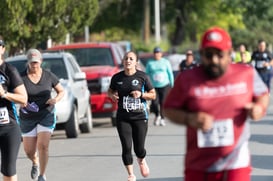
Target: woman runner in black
12, 90
131, 88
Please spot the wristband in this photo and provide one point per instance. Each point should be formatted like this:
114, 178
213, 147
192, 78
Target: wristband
141, 95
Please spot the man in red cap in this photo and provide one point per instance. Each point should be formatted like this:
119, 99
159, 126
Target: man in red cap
214, 107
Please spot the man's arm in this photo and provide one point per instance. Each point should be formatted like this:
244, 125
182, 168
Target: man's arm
257, 109
200, 120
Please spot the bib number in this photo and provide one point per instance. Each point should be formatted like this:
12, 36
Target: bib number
4, 116
221, 134
260, 64
132, 104
159, 77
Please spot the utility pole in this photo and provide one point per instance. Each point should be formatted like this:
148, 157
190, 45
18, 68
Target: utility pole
146, 34
157, 21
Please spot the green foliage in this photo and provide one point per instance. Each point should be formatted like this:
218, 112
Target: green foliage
28, 23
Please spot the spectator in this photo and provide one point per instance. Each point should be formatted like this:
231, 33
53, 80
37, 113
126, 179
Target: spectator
160, 72
244, 58
242, 50
214, 107
189, 62
262, 60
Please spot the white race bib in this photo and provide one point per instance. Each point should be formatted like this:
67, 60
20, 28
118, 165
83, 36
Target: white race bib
132, 104
4, 115
159, 77
221, 134
260, 64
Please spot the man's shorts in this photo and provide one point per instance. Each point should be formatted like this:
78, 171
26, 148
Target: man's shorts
32, 127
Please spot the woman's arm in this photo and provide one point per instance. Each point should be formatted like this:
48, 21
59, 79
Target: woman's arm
60, 93
19, 94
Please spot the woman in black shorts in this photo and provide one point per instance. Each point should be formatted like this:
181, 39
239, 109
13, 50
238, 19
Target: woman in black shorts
12, 90
131, 88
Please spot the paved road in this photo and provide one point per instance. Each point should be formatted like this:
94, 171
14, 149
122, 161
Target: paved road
96, 156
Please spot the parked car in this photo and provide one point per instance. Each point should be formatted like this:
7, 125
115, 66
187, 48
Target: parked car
100, 61
144, 57
73, 111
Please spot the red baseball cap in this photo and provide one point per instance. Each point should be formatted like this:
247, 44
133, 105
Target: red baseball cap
216, 37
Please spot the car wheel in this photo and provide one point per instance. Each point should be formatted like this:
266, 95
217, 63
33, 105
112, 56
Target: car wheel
72, 127
87, 124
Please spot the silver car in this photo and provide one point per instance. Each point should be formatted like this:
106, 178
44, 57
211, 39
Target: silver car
73, 111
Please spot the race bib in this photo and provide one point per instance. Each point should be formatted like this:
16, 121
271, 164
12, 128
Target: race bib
260, 64
159, 77
221, 134
4, 115
132, 104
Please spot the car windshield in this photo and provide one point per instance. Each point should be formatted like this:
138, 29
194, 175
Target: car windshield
93, 56
21, 65
55, 65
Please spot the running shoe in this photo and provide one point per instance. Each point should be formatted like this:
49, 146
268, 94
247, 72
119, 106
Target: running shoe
41, 178
162, 122
131, 178
34, 172
144, 169
157, 121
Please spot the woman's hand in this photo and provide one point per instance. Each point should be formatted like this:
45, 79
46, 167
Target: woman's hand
136, 94
51, 101
114, 96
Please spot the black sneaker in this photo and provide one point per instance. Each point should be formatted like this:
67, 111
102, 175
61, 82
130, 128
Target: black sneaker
34, 172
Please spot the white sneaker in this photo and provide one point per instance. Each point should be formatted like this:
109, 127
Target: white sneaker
144, 169
157, 121
162, 122
131, 178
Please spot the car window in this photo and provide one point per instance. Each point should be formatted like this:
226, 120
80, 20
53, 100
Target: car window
119, 53
57, 66
93, 56
21, 65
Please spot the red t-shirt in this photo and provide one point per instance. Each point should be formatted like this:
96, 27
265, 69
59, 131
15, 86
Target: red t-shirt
224, 98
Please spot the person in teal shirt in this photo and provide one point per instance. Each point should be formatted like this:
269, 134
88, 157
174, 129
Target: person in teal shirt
160, 72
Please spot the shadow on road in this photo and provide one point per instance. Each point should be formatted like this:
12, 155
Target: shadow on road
262, 162
261, 178
266, 139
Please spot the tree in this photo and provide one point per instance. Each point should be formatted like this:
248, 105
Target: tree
28, 23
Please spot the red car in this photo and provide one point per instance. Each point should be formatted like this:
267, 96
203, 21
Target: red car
100, 61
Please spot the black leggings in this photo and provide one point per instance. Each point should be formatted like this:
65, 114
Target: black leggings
157, 104
132, 132
10, 140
